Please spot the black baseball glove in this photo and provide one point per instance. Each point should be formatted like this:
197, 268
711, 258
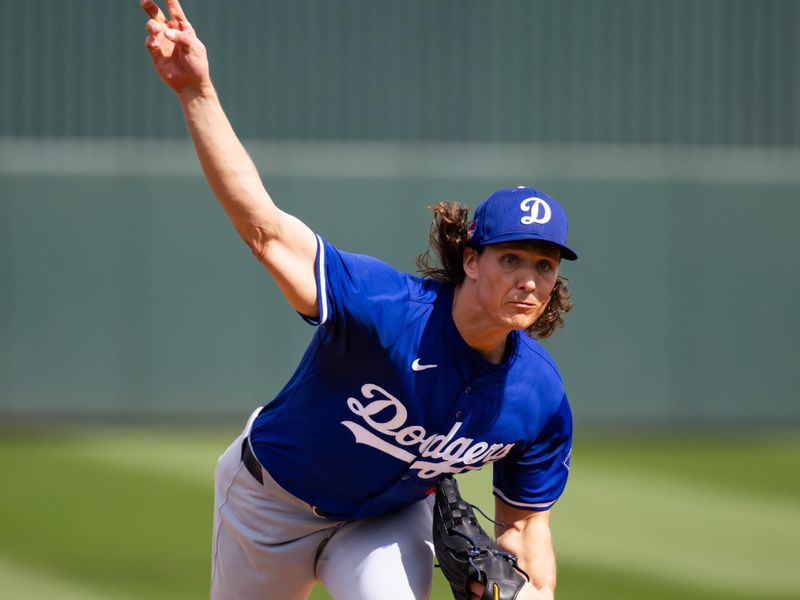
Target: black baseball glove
466, 553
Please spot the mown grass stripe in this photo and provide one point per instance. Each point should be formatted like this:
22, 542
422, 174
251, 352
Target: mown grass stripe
181, 457
129, 511
20, 581
666, 527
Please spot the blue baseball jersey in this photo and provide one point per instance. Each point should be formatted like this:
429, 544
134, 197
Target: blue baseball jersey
388, 398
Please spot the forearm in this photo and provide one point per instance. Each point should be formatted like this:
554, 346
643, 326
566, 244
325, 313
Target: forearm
228, 168
527, 534
534, 549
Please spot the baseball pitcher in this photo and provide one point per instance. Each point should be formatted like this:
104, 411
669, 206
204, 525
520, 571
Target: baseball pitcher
345, 477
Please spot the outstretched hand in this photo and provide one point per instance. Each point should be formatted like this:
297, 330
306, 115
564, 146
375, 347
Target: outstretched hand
179, 57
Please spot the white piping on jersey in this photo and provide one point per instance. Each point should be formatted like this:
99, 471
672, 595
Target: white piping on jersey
323, 287
523, 504
565, 462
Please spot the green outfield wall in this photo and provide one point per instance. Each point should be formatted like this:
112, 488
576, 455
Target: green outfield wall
127, 293
603, 71
669, 130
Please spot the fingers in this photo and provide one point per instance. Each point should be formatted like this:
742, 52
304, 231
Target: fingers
164, 35
177, 17
153, 11
181, 38
153, 42
476, 588
155, 28
176, 12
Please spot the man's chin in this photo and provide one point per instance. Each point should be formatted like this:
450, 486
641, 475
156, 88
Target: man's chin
521, 324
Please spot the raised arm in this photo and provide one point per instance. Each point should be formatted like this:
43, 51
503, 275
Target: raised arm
281, 242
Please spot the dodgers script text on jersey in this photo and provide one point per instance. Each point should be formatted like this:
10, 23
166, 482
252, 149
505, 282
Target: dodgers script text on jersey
388, 398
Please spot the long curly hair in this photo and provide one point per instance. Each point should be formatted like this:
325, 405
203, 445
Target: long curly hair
444, 261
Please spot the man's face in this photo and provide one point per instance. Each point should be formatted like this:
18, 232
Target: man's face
513, 280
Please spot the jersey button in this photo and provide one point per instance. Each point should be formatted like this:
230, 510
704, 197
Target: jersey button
459, 414
406, 477
467, 390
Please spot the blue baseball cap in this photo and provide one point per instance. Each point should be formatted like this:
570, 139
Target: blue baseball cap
520, 213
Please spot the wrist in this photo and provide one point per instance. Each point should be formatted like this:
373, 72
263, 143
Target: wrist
545, 594
200, 92
531, 592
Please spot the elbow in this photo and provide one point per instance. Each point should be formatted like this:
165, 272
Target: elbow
258, 239
258, 231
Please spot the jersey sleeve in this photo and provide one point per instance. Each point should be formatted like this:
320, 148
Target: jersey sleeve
535, 478
356, 291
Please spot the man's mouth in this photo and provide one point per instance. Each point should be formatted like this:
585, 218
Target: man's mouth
524, 304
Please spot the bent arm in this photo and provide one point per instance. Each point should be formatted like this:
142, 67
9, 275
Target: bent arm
281, 242
527, 534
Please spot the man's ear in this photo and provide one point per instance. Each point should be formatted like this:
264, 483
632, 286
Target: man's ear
470, 263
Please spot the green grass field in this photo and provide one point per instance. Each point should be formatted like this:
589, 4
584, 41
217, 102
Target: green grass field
125, 513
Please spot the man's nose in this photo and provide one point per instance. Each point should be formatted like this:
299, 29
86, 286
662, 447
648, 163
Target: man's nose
527, 280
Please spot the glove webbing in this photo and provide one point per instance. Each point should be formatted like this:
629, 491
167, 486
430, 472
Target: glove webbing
476, 551
461, 512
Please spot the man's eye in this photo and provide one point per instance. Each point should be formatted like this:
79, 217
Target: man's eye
509, 259
544, 265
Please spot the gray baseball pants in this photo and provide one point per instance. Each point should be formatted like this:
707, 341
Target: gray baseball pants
269, 544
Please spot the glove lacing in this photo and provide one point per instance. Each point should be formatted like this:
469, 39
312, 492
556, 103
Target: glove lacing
475, 550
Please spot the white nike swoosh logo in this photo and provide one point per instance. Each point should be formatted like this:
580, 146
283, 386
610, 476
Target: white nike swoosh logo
415, 366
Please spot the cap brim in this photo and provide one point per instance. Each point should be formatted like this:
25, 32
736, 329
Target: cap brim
566, 252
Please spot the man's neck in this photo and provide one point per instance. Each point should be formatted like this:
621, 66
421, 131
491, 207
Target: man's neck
485, 338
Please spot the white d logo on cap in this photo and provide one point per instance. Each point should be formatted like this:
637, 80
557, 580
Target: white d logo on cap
539, 209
